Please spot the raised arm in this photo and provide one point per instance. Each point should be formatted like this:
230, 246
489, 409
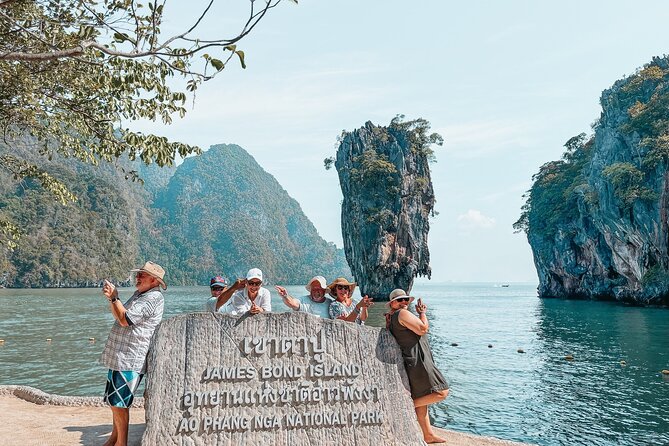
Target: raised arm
225, 296
418, 325
117, 308
360, 310
289, 300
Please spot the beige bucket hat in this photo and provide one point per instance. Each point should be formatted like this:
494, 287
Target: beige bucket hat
398, 293
154, 270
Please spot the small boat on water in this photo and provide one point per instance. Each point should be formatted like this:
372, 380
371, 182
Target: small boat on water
505, 285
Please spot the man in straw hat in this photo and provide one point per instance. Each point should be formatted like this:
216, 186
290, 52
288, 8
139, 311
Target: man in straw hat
128, 343
345, 307
314, 303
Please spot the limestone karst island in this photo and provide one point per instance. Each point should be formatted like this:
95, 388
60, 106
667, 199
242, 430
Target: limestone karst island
334, 223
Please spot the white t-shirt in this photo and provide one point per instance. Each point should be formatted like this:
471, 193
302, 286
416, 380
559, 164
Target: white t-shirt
210, 306
320, 309
240, 303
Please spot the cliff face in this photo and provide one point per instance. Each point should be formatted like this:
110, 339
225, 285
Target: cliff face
222, 213
77, 244
597, 219
216, 213
388, 197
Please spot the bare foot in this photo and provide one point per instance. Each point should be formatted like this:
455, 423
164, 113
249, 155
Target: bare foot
110, 442
434, 439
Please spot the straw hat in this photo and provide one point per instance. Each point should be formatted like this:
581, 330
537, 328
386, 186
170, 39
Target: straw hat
340, 281
153, 269
398, 293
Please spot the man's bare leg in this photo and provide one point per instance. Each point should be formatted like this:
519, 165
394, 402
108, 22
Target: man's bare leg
111, 441
121, 421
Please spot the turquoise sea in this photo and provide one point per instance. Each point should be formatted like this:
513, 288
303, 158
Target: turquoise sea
476, 331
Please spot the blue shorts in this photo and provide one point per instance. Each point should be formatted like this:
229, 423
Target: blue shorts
121, 387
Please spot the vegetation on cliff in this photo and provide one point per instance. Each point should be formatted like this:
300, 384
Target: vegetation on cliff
597, 218
388, 198
75, 74
217, 213
221, 212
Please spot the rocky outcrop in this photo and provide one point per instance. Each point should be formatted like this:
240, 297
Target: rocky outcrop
597, 219
234, 217
384, 175
217, 213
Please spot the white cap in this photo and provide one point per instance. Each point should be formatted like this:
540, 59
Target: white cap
319, 279
254, 273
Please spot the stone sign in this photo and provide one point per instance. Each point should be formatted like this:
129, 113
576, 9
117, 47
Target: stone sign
276, 379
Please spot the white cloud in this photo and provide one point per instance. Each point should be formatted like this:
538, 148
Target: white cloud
475, 219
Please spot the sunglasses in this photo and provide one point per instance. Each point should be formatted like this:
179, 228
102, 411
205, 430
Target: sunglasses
216, 288
254, 283
343, 287
141, 274
402, 299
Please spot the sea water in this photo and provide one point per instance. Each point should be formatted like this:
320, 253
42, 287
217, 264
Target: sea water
611, 393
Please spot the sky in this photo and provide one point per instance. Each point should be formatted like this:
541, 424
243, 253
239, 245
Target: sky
506, 83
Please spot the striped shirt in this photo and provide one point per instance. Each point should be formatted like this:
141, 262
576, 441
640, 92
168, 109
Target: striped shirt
126, 347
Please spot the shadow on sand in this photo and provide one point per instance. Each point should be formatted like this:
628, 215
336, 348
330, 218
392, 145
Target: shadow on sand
97, 435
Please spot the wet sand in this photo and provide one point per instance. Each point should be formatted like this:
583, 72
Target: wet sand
32, 417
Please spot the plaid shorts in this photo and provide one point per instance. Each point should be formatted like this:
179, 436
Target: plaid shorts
121, 387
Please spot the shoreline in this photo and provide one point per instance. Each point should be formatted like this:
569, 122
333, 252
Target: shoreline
33, 417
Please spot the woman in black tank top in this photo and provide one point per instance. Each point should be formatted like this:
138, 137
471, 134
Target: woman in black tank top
428, 386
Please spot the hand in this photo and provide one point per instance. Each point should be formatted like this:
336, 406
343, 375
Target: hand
281, 290
239, 284
109, 290
366, 302
255, 309
421, 308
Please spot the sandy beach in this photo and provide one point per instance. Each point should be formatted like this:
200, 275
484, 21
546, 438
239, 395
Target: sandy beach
32, 417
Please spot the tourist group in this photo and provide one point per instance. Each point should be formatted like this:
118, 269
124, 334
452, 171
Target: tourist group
135, 321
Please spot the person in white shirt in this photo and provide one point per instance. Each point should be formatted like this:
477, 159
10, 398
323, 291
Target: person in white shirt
217, 285
314, 303
246, 295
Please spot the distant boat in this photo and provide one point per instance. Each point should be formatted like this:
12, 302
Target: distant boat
505, 285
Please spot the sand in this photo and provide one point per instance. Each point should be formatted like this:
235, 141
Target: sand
32, 417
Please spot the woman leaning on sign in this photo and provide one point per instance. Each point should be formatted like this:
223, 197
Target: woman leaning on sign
428, 386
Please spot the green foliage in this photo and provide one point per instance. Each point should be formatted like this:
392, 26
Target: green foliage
656, 278
74, 244
648, 93
552, 201
420, 139
75, 73
201, 222
384, 171
374, 172
553, 198
627, 183
228, 220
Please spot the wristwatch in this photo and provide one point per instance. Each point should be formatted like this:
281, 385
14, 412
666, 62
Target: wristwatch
113, 299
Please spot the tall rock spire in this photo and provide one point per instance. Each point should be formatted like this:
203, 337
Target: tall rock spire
384, 175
